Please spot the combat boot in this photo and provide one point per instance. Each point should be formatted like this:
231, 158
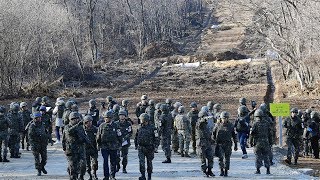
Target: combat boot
124, 170
222, 172
149, 176
39, 172
168, 160
225, 173
118, 167
182, 154
210, 173
44, 170
106, 178
295, 161
142, 177
268, 170
5, 159
258, 171
22, 145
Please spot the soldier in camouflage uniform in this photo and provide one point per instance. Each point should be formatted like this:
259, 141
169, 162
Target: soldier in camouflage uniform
110, 102
306, 139
91, 149
16, 127
116, 109
261, 139
73, 144
67, 112
124, 106
157, 114
223, 134
26, 117
93, 111
217, 111
169, 104
210, 105
47, 121
36, 104
126, 131
146, 140
183, 126
142, 106
150, 111
4, 135
293, 124
58, 112
314, 131
175, 138
38, 139
166, 126
204, 144
109, 139
242, 126
193, 118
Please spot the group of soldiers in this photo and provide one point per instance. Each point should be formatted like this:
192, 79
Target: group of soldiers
208, 129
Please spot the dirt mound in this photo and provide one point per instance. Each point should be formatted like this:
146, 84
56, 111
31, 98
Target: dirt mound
229, 55
160, 49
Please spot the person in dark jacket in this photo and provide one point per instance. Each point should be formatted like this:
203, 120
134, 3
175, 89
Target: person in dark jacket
313, 129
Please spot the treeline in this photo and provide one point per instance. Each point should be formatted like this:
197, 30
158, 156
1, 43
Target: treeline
42, 39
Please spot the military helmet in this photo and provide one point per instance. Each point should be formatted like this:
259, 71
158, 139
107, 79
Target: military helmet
36, 115
258, 113
144, 117
164, 107
73, 100
69, 104
38, 99
2, 109
45, 99
181, 109
59, 98
43, 108
294, 110
210, 104
23, 104
122, 112
217, 106
109, 98
74, 107
151, 102
125, 102
308, 111
92, 102
242, 110
263, 107
193, 105
314, 115
158, 105
74, 115
144, 97
60, 103
177, 104
202, 114
116, 107
225, 115
205, 108
14, 106
242, 101
108, 114
87, 118
168, 101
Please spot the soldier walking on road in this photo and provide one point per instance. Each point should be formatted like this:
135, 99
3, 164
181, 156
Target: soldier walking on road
175, 138
183, 127
193, 118
38, 139
4, 135
109, 139
150, 111
36, 105
146, 140
67, 112
26, 117
47, 121
293, 124
15, 128
142, 106
243, 128
93, 111
313, 130
261, 139
223, 134
166, 126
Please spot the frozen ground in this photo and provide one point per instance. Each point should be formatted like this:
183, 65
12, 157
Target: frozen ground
180, 168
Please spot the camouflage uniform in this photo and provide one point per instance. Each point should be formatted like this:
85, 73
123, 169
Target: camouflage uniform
150, 110
126, 131
314, 131
47, 121
306, 136
38, 139
223, 134
73, 144
109, 139
204, 144
175, 138
16, 127
146, 140
141, 107
4, 135
166, 125
24, 135
294, 132
36, 104
183, 126
193, 118
261, 139
110, 102
94, 112
67, 112
116, 109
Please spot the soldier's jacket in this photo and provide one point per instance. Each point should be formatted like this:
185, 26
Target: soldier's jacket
94, 112
37, 135
166, 124
294, 127
26, 118
193, 117
150, 110
15, 123
111, 104
46, 120
109, 136
126, 131
157, 114
65, 116
116, 115
174, 113
242, 124
182, 123
261, 136
91, 132
4, 125
224, 134
203, 133
74, 139
147, 137
35, 106
306, 119
141, 108
313, 129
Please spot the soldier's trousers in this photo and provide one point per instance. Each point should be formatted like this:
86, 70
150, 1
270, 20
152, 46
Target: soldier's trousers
184, 141
293, 143
262, 154
166, 142
224, 156
124, 154
37, 152
175, 141
24, 139
193, 137
76, 165
206, 154
143, 154
92, 162
315, 146
113, 161
4, 145
14, 144
271, 153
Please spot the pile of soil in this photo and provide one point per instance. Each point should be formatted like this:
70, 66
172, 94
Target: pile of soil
160, 49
